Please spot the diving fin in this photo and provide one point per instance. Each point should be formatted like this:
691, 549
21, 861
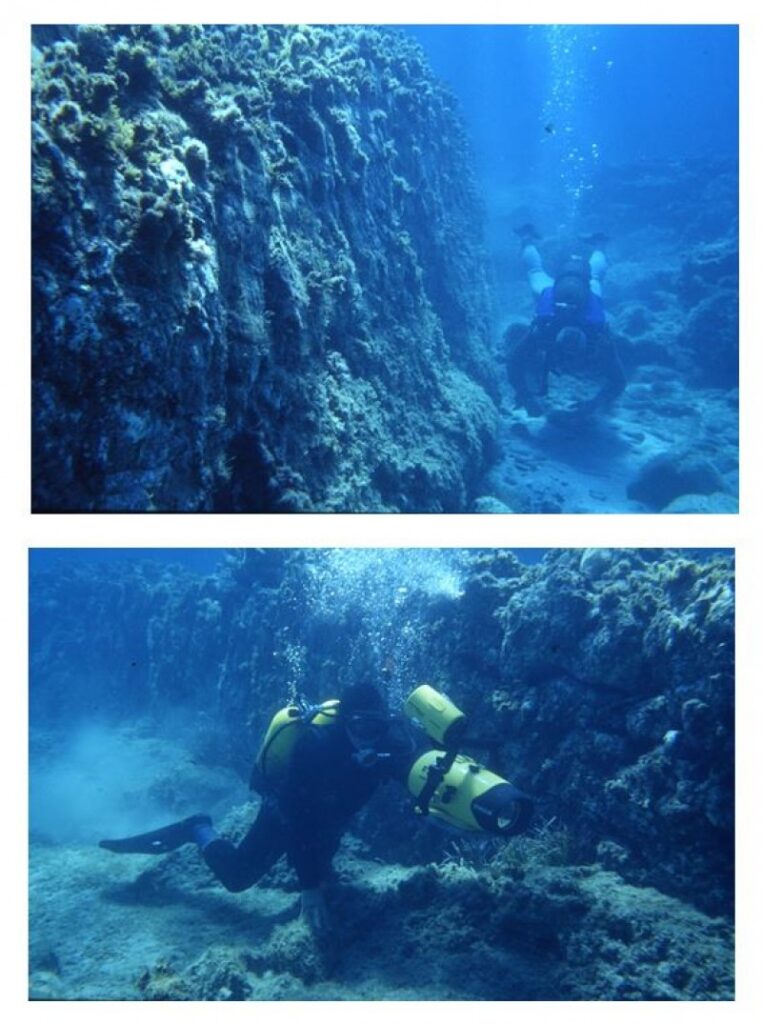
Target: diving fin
161, 840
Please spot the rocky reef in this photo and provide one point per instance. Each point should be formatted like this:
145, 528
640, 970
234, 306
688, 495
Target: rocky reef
258, 281
599, 681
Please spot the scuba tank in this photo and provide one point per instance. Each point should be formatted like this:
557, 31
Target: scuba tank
287, 725
454, 788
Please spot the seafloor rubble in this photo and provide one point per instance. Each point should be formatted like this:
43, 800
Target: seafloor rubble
599, 681
517, 927
258, 282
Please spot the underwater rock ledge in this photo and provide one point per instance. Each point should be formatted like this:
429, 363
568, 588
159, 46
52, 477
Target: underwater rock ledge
258, 281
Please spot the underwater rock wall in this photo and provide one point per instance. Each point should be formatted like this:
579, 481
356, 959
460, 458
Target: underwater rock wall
258, 281
616, 697
600, 681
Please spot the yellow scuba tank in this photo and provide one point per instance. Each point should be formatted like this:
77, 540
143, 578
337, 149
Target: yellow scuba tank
470, 796
287, 725
437, 714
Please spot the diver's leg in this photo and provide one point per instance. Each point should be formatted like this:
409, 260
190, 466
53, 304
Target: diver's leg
538, 279
597, 271
239, 867
310, 853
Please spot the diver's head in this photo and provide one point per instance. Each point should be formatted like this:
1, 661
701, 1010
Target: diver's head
572, 285
364, 715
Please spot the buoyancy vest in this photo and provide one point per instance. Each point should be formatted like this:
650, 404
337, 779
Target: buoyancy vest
593, 315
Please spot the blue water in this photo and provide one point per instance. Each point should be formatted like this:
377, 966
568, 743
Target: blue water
632, 131
635, 92
202, 561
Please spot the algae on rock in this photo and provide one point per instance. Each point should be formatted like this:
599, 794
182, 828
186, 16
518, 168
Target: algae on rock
258, 277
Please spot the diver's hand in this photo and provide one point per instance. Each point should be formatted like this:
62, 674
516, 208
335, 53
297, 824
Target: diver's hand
313, 911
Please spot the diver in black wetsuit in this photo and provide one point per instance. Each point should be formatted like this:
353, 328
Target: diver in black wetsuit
319, 765
569, 334
332, 771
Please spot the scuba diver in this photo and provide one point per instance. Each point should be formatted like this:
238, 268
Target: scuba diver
569, 334
318, 765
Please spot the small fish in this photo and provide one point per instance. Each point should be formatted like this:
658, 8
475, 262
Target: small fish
550, 128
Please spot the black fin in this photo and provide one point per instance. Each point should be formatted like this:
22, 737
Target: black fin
161, 840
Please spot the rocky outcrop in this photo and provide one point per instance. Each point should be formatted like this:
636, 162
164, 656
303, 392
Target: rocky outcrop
634, 652
673, 474
258, 281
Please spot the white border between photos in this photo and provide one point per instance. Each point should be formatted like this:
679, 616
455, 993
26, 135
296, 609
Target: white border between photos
21, 530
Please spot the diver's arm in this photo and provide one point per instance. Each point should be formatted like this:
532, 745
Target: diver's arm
310, 762
313, 822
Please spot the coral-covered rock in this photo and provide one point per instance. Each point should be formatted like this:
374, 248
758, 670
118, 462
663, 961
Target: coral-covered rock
671, 475
621, 697
258, 277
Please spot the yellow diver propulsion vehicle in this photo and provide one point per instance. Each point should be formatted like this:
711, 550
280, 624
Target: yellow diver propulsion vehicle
287, 725
454, 788
437, 714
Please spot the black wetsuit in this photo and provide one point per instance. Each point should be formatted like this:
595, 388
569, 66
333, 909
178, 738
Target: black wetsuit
533, 356
305, 820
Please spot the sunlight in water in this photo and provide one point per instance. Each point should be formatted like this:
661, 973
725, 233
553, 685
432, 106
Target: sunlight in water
568, 112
